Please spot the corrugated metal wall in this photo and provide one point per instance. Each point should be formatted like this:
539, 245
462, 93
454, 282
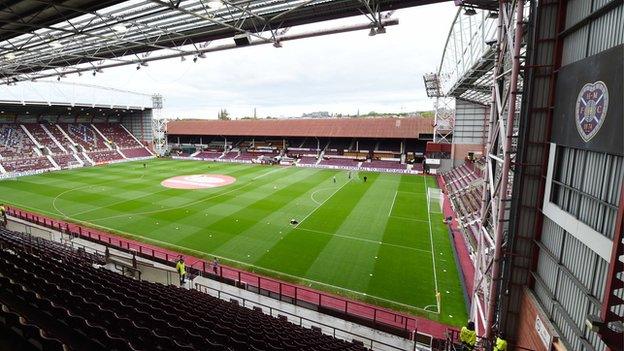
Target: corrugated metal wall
139, 124
570, 284
469, 123
570, 278
592, 36
586, 184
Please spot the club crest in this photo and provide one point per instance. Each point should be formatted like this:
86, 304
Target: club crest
591, 109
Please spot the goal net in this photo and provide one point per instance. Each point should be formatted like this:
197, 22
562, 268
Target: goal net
434, 200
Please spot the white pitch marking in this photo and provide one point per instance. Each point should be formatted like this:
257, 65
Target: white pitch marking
322, 203
392, 206
362, 239
435, 275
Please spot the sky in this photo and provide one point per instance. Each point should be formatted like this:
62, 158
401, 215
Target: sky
340, 73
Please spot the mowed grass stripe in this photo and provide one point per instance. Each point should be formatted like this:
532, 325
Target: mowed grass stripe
252, 219
335, 250
401, 274
145, 198
327, 218
272, 216
168, 214
354, 260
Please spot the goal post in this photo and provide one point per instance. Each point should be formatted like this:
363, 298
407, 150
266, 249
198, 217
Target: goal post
434, 200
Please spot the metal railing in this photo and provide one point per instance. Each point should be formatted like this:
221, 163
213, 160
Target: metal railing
302, 321
371, 316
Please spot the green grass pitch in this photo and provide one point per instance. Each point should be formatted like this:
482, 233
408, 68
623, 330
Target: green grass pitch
377, 241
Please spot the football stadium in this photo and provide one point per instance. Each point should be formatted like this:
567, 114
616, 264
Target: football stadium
495, 223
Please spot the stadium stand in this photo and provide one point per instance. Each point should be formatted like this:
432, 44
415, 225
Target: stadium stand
340, 142
104, 156
381, 164
23, 146
66, 161
69, 299
84, 135
14, 142
209, 154
37, 131
137, 152
60, 136
116, 134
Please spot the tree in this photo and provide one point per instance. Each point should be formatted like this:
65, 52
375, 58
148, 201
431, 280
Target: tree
224, 115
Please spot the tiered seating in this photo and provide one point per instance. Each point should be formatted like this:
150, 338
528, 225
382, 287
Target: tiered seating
88, 308
26, 164
104, 156
459, 178
230, 155
306, 160
464, 188
66, 160
379, 164
84, 160
208, 154
343, 162
136, 152
248, 156
14, 142
84, 135
43, 138
117, 134
58, 135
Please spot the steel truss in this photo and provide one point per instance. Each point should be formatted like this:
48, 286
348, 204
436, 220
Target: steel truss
465, 70
501, 147
45, 38
159, 126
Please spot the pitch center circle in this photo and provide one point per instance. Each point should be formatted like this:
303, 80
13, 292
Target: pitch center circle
198, 181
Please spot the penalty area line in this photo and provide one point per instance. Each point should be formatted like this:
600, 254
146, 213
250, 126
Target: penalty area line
322, 203
435, 274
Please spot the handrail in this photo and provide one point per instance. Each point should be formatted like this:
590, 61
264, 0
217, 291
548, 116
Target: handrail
368, 315
204, 289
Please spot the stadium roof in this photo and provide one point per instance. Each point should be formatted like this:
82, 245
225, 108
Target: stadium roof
400, 128
43, 38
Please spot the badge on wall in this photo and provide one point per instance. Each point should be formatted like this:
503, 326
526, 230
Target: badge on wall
591, 109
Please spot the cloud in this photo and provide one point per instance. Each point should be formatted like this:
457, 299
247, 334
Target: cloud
339, 73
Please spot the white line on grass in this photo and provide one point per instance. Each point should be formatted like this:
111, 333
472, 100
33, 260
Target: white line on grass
392, 206
165, 244
188, 204
82, 187
409, 219
435, 275
322, 203
316, 191
362, 239
301, 279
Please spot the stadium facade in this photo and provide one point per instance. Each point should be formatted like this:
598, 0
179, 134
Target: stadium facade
547, 243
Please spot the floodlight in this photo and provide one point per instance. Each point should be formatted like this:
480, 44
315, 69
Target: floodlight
381, 30
56, 44
372, 32
470, 12
492, 14
9, 56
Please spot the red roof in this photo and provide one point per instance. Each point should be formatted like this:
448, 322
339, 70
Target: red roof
337, 128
